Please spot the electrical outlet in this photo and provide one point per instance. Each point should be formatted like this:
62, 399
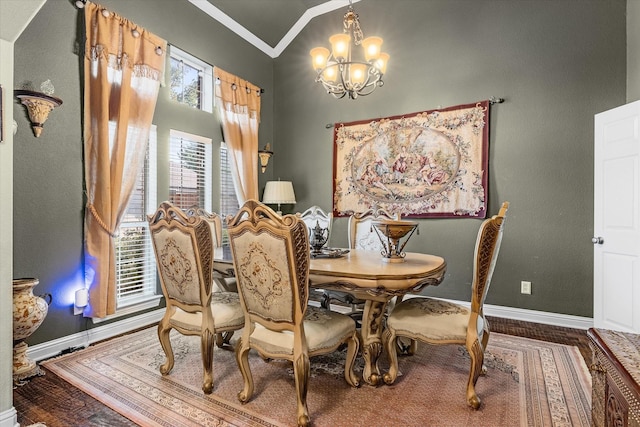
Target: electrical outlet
525, 287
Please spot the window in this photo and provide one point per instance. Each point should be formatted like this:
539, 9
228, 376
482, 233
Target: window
135, 260
228, 200
191, 80
190, 176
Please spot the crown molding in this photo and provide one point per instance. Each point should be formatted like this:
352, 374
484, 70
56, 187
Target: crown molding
247, 35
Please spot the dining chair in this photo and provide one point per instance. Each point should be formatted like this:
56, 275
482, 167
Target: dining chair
225, 281
436, 321
271, 258
316, 216
361, 232
183, 246
361, 236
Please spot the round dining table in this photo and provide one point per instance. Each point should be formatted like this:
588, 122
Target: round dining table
369, 276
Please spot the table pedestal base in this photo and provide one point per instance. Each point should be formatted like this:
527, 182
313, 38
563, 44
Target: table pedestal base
371, 344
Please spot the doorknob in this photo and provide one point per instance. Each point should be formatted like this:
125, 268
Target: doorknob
597, 240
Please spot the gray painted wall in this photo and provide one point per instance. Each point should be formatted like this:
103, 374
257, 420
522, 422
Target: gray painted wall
48, 181
633, 50
557, 63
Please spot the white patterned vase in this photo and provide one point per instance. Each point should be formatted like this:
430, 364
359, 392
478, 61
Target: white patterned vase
29, 312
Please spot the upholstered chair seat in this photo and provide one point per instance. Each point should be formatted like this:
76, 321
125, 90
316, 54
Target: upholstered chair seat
323, 330
225, 305
431, 319
437, 322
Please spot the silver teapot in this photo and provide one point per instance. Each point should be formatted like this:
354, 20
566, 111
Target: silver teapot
318, 237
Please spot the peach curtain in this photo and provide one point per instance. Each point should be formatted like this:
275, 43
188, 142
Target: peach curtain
238, 104
123, 66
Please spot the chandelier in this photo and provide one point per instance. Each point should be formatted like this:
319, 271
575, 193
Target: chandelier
343, 71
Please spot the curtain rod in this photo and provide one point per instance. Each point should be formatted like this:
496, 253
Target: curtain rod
80, 4
492, 100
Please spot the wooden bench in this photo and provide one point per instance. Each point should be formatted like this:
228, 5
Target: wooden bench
615, 377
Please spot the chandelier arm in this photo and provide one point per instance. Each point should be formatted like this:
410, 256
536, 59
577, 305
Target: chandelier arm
339, 90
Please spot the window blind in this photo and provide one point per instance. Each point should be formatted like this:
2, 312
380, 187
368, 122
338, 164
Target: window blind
135, 260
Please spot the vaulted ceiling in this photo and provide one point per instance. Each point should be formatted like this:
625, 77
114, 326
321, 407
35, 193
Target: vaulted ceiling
270, 25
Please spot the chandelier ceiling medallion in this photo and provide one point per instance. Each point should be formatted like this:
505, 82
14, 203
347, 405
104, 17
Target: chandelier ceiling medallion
343, 71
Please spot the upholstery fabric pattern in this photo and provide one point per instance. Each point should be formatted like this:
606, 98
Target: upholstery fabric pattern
323, 328
366, 238
226, 309
266, 276
433, 319
176, 265
361, 232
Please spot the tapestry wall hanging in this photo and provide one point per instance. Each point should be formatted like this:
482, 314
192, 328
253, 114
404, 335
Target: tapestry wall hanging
431, 164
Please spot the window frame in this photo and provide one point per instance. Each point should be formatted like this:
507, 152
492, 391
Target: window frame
206, 70
149, 295
207, 168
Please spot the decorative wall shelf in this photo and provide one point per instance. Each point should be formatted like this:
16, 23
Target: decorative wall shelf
39, 105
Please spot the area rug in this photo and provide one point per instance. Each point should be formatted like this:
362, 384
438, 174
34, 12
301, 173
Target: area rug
528, 383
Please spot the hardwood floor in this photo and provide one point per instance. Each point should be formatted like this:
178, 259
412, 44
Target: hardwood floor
52, 401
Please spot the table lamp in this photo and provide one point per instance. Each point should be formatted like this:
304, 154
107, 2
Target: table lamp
278, 192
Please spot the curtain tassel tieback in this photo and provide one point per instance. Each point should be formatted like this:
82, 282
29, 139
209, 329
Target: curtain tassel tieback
102, 224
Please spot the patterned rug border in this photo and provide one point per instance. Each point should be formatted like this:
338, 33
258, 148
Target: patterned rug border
122, 373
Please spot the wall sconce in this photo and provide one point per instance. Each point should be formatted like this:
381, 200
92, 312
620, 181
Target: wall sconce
39, 105
265, 154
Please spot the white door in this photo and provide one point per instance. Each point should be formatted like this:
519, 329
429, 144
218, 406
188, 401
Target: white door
616, 303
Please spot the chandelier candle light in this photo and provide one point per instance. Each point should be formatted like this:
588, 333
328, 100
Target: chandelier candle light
342, 71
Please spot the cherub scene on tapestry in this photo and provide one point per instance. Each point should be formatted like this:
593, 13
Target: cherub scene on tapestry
422, 165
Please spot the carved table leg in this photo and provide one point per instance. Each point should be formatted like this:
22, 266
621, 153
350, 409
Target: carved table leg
372, 340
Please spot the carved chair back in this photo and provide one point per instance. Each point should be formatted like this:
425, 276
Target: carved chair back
361, 234
183, 247
316, 216
271, 259
486, 254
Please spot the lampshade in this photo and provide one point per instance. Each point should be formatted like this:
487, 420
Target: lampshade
277, 192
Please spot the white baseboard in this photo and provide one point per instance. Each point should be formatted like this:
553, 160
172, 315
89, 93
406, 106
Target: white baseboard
543, 317
9, 418
82, 339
